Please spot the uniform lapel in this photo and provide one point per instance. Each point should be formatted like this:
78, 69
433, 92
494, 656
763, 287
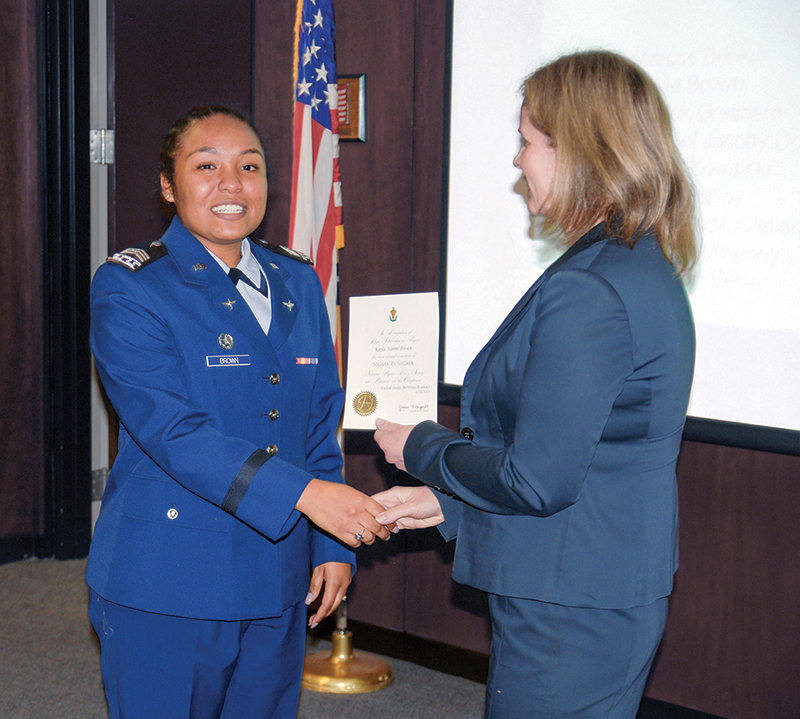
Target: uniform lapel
198, 268
227, 303
224, 301
285, 307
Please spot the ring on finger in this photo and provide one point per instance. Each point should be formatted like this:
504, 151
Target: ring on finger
360, 536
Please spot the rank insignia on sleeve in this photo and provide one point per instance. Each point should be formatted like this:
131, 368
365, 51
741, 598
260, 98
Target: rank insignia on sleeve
134, 258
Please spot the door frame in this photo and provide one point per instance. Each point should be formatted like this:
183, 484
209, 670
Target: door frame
64, 133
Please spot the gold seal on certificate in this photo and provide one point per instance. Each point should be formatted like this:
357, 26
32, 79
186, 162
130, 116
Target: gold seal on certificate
365, 403
393, 359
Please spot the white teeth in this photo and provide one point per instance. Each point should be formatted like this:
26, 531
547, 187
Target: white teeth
227, 209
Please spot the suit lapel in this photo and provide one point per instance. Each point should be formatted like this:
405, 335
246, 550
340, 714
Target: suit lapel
596, 234
518, 308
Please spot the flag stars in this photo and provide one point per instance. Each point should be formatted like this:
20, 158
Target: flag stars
316, 64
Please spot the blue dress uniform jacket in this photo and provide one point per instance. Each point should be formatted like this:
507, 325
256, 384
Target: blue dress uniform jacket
572, 417
221, 429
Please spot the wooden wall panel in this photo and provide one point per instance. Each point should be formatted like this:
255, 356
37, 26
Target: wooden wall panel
168, 57
430, 50
273, 108
732, 644
437, 607
377, 186
21, 352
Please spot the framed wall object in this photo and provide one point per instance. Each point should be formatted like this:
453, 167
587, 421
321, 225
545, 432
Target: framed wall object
352, 107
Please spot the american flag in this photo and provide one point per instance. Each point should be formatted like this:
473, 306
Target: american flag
316, 214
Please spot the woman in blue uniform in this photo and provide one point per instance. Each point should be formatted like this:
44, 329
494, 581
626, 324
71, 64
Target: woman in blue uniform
560, 488
215, 351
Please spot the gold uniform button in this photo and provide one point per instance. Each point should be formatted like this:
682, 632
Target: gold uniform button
272, 450
274, 378
274, 414
172, 513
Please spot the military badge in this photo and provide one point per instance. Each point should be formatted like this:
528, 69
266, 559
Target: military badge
226, 341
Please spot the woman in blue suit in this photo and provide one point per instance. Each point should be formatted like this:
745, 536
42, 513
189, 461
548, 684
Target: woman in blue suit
560, 488
216, 353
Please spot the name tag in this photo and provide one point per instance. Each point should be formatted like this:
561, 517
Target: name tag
228, 361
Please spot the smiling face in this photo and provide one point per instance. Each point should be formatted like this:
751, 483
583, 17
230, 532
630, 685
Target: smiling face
219, 186
537, 160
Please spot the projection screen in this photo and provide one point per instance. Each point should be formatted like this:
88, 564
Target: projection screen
730, 73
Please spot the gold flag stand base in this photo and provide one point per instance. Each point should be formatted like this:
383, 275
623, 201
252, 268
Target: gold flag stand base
344, 671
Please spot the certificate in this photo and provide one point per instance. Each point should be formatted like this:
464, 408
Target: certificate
393, 359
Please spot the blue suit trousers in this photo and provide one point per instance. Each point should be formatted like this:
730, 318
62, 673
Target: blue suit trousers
549, 661
163, 667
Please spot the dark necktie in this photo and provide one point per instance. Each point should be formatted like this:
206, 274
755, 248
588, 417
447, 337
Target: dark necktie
236, 275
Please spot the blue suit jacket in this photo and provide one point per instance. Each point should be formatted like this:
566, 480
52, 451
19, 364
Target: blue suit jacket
201, 393
566, 490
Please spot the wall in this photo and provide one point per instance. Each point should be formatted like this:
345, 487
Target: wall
21, 352
168, 57
731, 646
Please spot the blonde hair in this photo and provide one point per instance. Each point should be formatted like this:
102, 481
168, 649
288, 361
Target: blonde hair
616, 157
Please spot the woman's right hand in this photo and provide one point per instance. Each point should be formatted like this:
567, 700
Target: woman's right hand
409, 508
344, 512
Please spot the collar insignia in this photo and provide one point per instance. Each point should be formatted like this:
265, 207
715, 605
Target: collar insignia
229, 304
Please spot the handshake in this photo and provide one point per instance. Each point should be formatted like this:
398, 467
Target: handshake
354, 518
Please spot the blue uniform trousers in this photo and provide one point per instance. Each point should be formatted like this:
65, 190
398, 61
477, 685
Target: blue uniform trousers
555, 662
158, 666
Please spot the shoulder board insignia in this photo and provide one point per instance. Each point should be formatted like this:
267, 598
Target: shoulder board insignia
285, 251
134, 258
